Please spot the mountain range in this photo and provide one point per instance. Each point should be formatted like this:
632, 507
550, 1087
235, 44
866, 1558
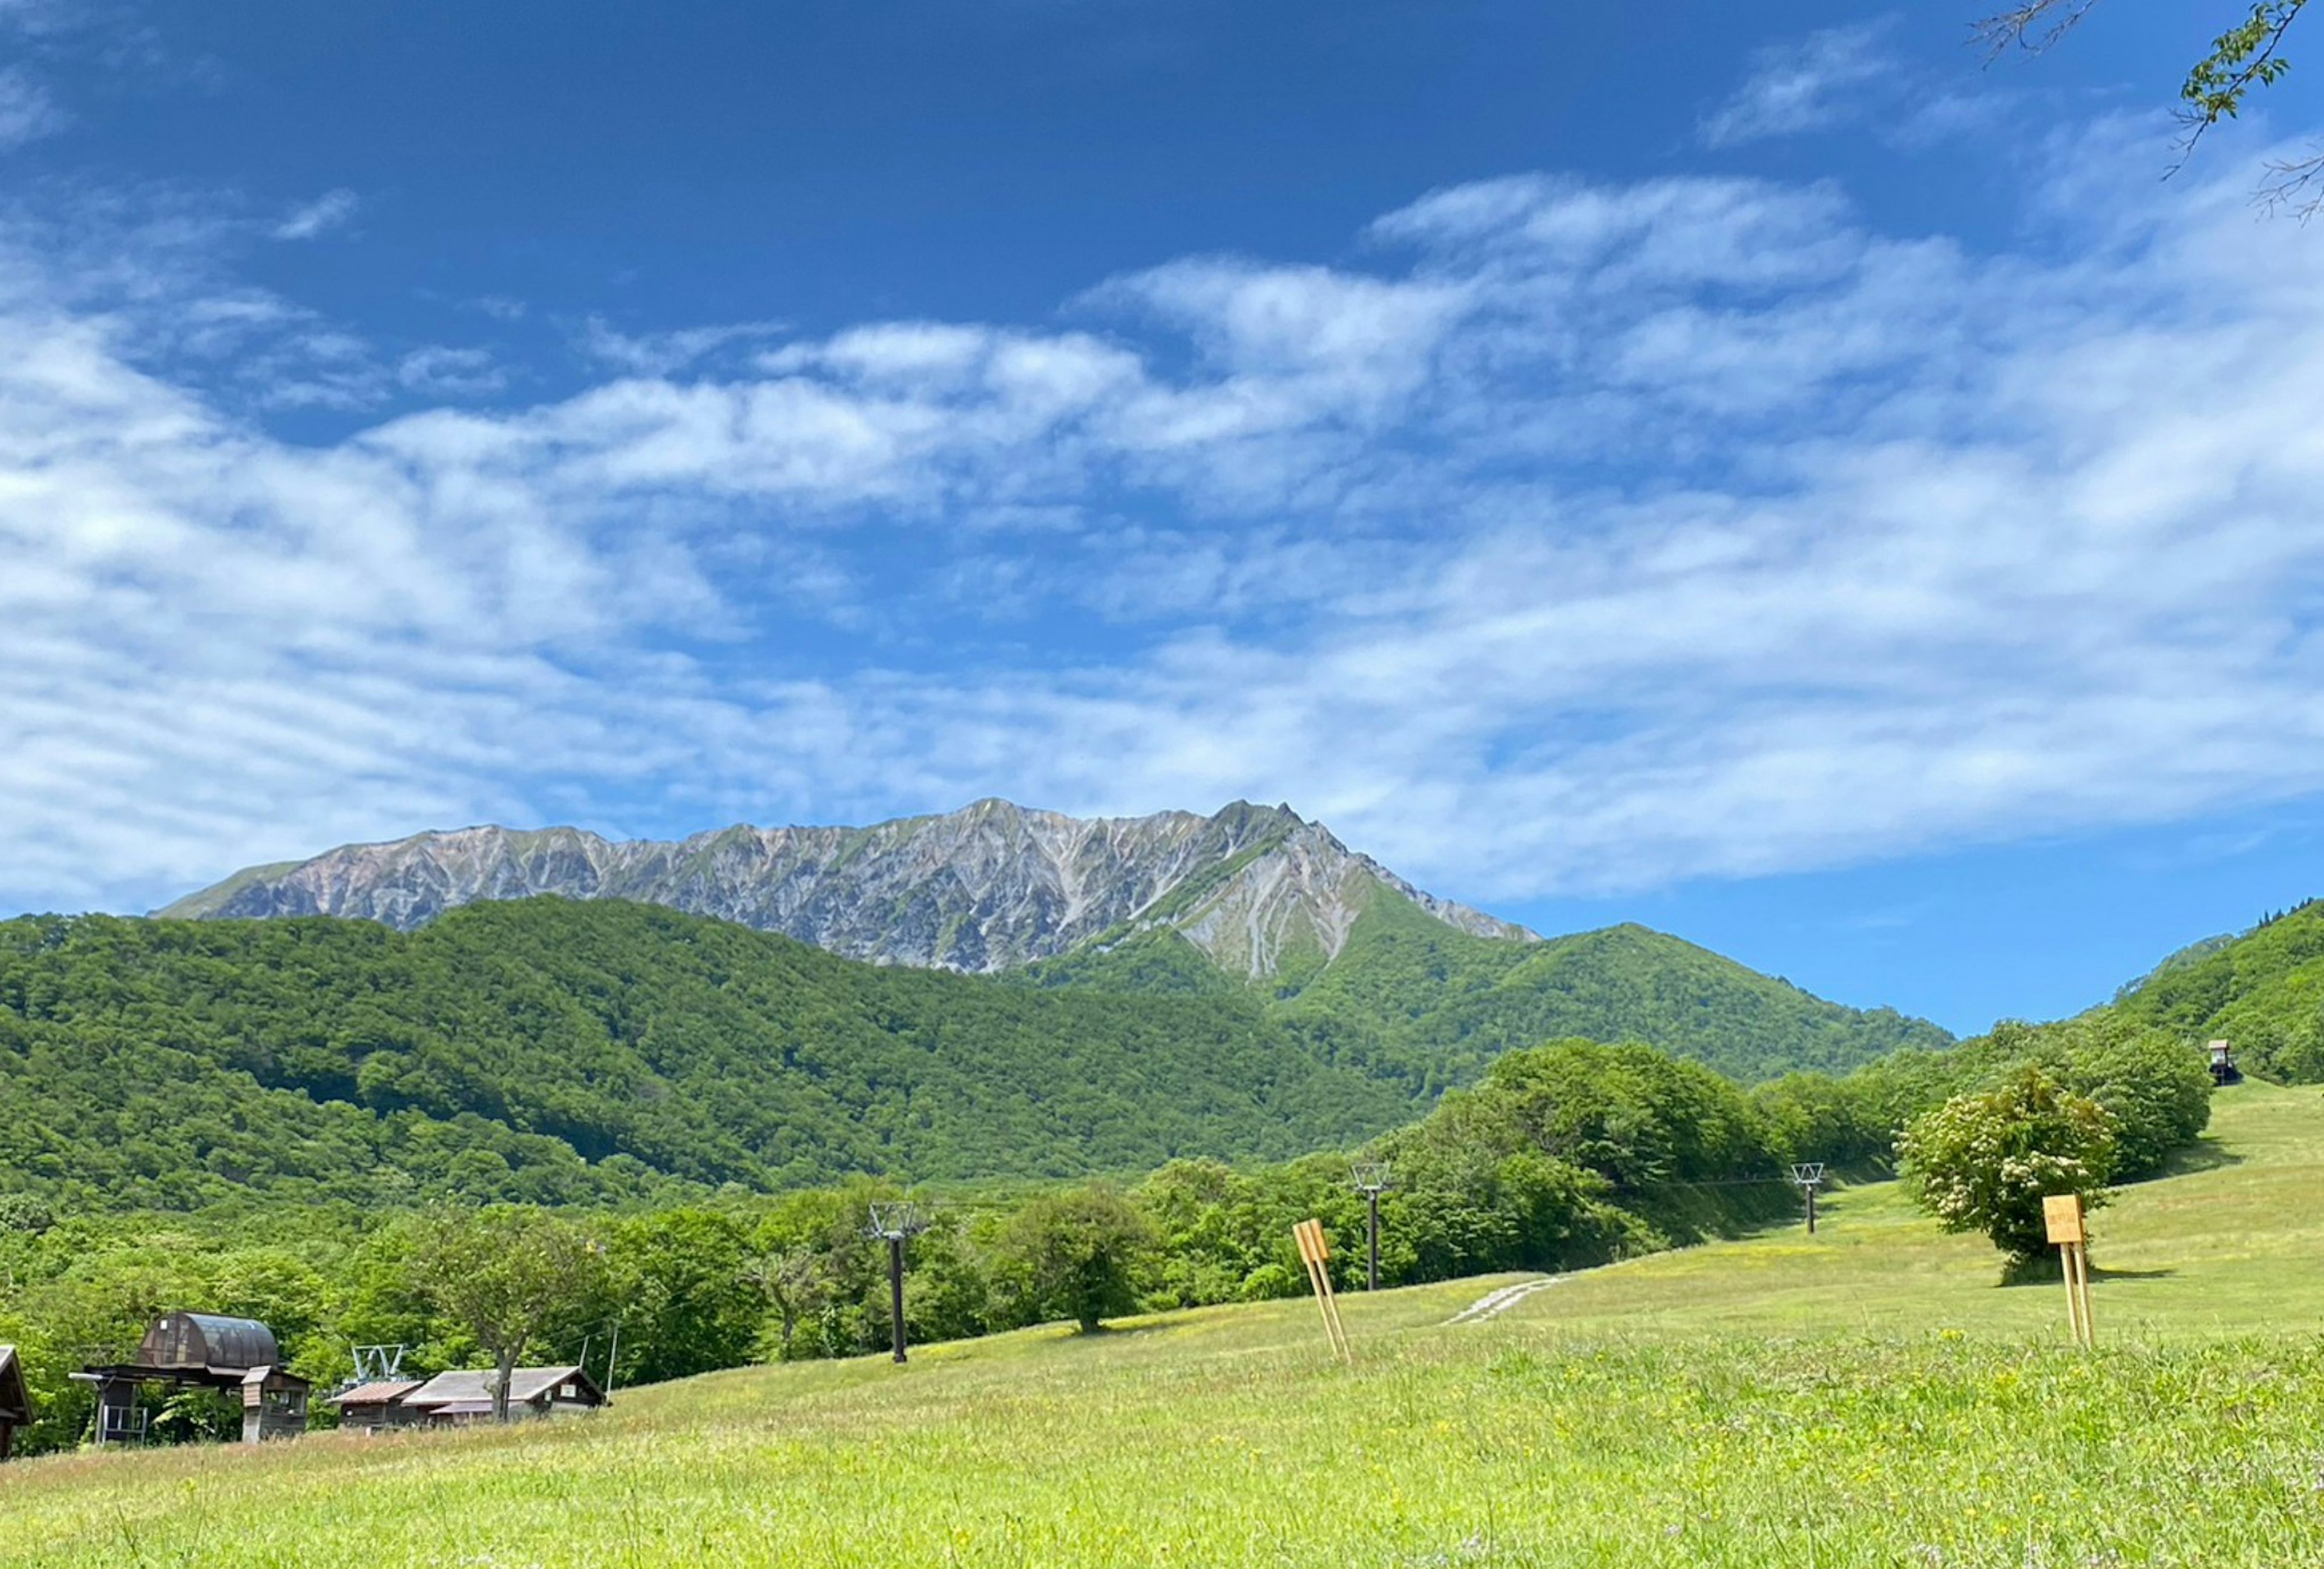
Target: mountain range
991, 887
990, 993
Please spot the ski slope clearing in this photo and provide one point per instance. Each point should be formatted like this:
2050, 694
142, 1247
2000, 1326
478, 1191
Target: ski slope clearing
1866, 1398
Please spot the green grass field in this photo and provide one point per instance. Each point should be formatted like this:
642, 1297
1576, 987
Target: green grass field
1867, 1398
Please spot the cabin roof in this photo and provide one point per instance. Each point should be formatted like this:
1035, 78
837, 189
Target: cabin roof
376, 1393
473, 1384
227, 1343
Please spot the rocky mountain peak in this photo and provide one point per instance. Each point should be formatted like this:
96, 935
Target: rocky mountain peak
990, 887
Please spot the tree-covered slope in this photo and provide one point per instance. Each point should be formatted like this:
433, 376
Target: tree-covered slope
561, 1051
1407, 988
2264, 992
500, 1048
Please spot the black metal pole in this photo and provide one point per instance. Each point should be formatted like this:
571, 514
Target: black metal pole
1812, 1209
896, 1289
1371, 1270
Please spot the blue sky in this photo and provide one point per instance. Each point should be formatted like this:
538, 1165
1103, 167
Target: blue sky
1762, 473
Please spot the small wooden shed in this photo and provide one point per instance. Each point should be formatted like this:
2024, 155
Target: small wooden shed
2224, 1070
15, 1400
452, 1400
377, 1406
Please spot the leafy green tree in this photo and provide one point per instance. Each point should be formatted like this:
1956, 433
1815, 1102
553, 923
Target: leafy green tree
1076, 1254
687, 1303
21, 1212
1984, 1162
506, 1274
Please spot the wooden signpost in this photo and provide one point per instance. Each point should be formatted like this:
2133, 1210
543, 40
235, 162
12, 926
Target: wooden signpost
2063, 1215
1314, 1252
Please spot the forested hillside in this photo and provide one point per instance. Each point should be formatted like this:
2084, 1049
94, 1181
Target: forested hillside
562, 1052
1409, 988
2264, 992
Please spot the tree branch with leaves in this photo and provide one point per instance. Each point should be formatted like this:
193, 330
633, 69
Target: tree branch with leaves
2246, 57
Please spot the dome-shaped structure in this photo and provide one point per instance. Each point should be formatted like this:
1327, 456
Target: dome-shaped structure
206, 1340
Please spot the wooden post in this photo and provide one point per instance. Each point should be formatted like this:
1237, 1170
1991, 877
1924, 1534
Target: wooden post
1315, 1252
2063, 1217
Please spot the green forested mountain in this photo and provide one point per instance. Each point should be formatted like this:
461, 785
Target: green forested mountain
557, 1051
2264, 992
170, 1062
1407, 988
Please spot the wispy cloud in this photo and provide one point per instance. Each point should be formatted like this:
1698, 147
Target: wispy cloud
27, 110
450, 372
662, 353
1597, 536
334, 210
1809, 85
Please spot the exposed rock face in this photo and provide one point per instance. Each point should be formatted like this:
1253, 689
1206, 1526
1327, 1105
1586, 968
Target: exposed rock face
987, 887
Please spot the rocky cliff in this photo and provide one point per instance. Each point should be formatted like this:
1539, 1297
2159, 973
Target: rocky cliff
987, 887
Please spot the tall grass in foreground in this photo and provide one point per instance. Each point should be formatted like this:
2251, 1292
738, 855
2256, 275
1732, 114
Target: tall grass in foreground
1513, 1446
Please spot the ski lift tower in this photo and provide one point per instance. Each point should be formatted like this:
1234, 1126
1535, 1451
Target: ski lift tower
1371, 1178
894, 1224
1807, 1177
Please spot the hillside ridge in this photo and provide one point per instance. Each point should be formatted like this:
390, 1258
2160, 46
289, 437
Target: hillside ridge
2261, 990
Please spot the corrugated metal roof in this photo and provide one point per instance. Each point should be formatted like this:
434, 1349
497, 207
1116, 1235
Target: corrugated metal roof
475, 1384
207, 1340
375, 1393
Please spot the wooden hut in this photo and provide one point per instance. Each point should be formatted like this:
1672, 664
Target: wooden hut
202, 1351
2224, 1070
15, 1400
453, 1399
377, 1406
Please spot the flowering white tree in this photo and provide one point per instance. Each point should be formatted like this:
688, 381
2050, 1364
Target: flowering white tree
1985, 1162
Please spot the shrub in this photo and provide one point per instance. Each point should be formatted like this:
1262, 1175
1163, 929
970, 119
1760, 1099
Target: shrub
1984, 1162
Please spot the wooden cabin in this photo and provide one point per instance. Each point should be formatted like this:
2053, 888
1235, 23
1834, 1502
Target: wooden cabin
184, 1350
15, 1400
378, 1406
453, 1399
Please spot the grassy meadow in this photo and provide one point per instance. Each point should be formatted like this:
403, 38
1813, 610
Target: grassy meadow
1869, 1397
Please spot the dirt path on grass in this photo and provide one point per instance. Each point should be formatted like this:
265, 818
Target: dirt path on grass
1493, 1303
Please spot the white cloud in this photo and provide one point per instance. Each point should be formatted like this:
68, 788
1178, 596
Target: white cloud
1612, 535
27, 110
450, 372
334, 210
662, 353
1807, 86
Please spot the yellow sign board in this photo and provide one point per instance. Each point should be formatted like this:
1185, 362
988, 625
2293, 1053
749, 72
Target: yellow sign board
1313, 1248
2063, 1215
1312, 1252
